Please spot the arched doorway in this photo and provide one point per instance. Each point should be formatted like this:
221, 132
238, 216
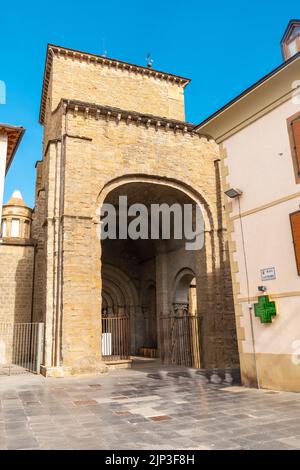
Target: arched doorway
185, 293
144, 258
119, 303
148, 264
181, 330
197, 273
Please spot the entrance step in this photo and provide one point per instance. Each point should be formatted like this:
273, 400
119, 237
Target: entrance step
118, 364
228, 376
156, 370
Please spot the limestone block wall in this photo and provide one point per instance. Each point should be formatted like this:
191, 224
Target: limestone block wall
112, 86
16, 282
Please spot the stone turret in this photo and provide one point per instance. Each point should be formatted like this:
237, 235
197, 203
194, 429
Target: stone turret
16, 218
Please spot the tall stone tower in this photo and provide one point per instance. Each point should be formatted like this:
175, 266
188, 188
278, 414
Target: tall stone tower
112, 128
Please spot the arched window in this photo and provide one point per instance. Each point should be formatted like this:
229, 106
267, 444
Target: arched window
185, 294
15, 228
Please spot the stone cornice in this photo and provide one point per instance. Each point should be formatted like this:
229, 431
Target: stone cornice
115, 114
18, 242
104, 61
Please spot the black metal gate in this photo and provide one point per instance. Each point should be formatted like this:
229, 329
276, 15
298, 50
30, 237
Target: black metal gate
21, 348
180, 340
115, 338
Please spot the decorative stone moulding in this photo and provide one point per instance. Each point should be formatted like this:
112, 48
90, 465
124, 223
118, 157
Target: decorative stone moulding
109, 113
181, 308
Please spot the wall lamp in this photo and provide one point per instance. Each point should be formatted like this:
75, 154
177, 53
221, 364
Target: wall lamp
233, 192
262, 288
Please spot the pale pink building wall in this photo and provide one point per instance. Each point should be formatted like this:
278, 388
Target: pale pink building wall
260, 164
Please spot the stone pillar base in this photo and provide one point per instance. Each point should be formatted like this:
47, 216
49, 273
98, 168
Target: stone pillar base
67, 371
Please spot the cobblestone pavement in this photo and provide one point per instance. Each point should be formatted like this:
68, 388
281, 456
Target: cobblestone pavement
144, 409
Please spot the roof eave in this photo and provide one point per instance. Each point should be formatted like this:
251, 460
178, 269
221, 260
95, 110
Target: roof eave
247, 91
20, 130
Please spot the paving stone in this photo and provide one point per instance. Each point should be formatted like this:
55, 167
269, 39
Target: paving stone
132, 410
292, 442
22, 444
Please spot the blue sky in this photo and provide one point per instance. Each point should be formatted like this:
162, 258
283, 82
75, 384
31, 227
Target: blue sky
224, 46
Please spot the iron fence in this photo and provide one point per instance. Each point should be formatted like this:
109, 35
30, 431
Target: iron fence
21, 347
115, 338
180, 340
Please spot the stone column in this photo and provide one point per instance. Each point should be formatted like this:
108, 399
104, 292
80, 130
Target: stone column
162, 298
21, 228
8, 227
81, 305
181, 308
76, 264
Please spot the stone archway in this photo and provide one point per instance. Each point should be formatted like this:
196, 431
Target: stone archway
139, 259
181, 330
119, 288
195, 195
185, 281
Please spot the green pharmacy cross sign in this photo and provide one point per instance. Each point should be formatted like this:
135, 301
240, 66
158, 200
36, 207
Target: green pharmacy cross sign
265, 309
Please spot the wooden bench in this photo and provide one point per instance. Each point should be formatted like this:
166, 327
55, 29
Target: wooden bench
148, 352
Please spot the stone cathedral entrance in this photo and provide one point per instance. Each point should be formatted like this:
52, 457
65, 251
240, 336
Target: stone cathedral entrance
116, 129
146, 280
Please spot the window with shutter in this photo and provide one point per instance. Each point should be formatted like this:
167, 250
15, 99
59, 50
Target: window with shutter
294, 132
295, 224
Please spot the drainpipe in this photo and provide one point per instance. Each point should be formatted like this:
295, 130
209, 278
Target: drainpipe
250, 308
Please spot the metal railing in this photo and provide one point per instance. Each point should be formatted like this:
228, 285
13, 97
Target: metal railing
180, 340
21, 347
115, 338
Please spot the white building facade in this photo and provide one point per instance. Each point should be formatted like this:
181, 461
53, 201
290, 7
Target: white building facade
259, 136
